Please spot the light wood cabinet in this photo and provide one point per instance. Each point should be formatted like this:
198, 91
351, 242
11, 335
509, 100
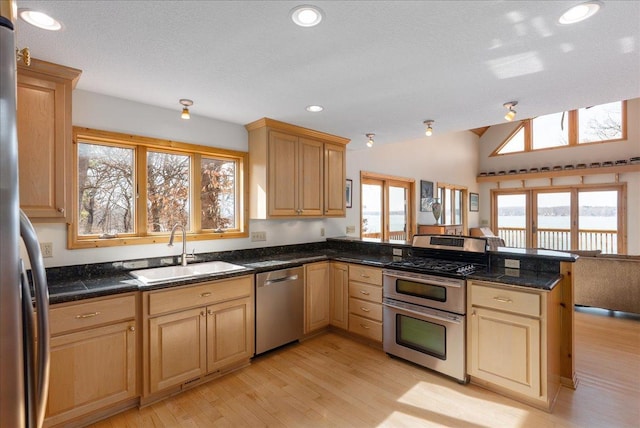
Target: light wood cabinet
93, 357
339, 295
513, 341
295, 171
316, 296
44, 139
440, 229
195, 331
365, 301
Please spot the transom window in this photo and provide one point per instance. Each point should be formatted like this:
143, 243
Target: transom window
595, 124
130, 190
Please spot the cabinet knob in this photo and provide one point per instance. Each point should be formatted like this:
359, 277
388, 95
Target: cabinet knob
61, 210
210, 312
206, 294
132, 328
201, 313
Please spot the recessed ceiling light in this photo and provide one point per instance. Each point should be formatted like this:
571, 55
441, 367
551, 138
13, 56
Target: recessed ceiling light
580, 12
39, 19
306, 15
315, 109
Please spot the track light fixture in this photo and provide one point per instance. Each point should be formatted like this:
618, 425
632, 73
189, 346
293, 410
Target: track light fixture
370, 141
429, 131
511, 114
185, 108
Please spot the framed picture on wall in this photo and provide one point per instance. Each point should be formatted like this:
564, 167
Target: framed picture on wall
474, 202
349, 192
426, 195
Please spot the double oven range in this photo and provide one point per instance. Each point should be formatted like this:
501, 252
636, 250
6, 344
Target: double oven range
424, 302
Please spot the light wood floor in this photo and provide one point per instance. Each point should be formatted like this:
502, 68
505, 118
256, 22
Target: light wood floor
331, 380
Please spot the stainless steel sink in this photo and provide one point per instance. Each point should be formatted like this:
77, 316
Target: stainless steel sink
172, 273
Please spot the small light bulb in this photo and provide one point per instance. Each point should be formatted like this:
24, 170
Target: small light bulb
185, 113
511, 114
429, 132
370, 143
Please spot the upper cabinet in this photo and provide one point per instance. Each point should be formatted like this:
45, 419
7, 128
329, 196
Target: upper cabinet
294, 171
44, 139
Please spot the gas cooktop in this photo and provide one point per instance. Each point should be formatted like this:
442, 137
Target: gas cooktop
434, 266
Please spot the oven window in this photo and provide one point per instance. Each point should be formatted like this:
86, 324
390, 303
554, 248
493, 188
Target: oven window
422, 336
419, 289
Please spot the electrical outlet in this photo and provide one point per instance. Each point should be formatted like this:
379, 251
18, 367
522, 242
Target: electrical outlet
511, 263
397, 251
46, 248
258, 236
322, 231
351, 229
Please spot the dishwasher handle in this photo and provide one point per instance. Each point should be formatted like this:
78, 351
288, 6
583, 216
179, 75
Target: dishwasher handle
281, 279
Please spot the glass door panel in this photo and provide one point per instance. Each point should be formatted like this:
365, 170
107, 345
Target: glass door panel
598, 221
398, 212
512, 219
552, 229
372, 210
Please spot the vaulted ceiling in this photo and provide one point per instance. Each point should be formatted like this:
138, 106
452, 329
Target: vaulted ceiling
378, 67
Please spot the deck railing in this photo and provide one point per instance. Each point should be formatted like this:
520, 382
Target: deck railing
399, 235
560, 239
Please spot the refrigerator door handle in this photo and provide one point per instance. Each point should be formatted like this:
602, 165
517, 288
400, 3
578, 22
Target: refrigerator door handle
28, 341
41, 294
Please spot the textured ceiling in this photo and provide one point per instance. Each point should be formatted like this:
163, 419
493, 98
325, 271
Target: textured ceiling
376, 66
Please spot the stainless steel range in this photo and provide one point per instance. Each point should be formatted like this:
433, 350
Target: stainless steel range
424, 302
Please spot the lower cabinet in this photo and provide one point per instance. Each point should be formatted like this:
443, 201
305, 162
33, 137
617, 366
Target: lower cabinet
196, 331
339, 295
365, 301
316, 296
513, 346
93, 357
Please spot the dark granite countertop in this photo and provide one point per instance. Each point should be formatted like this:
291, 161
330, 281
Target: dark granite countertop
71, 283
520, 277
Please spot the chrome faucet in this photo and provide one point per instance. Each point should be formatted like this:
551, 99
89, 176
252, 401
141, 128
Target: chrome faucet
184, 256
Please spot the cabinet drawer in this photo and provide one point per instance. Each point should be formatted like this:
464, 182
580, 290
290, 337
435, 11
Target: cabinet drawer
365, 274
365, 292
506, 300
365, 327
89, 313
199, 295
365, 309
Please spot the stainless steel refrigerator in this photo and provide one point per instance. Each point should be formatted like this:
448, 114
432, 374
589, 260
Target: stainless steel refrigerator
24, 361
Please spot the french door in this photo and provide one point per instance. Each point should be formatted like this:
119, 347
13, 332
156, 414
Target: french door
588, 217
386, 207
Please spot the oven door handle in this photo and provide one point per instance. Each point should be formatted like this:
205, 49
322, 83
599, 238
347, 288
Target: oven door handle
451, 284
423, 314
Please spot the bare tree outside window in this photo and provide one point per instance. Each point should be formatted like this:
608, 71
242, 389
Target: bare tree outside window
600, 123
167, 190
105, 189
218, 194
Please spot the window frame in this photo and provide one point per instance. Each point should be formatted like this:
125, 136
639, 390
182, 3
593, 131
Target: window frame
385, 181
141, 145
444, 192
531, 229
573, 134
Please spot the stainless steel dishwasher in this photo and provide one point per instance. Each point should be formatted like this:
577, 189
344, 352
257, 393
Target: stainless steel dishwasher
279, 308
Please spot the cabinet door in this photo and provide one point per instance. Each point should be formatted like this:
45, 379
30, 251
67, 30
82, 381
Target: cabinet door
283, 174
339, 295
91, 369
310, 174
44, 129
177, 348
316, 296
334, 180
229, 333
505, 350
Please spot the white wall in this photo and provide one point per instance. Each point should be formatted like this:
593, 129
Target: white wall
564, 156
98, 111
450, 158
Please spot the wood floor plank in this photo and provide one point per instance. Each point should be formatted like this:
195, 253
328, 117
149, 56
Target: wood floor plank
332, 380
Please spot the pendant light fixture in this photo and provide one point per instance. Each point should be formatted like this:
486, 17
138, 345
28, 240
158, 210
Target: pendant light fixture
511, 114
370, 141
185, 108
429, 131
